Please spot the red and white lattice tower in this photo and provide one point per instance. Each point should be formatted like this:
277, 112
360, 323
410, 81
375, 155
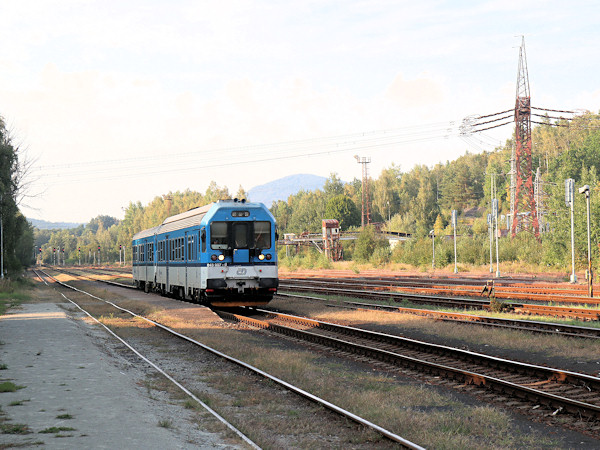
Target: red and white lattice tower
522, 200
366, 210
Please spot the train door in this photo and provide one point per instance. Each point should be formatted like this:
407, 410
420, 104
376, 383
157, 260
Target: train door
241, 238
145, 247
167, 260
186, 258
155, 246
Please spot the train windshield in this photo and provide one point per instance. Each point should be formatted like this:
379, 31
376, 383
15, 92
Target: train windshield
224, 235
240, 235
262, 234
219, 236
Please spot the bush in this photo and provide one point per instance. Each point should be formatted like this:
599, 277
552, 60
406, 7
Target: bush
367, 243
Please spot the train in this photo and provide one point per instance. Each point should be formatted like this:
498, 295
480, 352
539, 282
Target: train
221, 254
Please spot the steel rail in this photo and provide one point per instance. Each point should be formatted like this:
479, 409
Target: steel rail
463, 318
388, 434
521, 391
503, 292
384, 295
456, 302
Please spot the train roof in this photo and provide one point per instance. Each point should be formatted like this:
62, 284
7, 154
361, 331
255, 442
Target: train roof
191, 218
183, 220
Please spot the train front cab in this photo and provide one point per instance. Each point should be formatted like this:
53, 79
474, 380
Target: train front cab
241, 260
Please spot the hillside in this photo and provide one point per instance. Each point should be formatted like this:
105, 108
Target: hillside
282, 188
45, 225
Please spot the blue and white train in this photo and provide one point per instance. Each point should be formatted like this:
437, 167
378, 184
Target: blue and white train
222, 254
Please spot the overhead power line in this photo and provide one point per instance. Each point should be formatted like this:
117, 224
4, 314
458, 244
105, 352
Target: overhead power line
231, 156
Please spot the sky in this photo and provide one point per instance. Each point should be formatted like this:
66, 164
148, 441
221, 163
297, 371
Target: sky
115, 102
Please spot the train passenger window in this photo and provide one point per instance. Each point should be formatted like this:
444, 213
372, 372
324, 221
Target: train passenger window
262, 234
240, 234
218, 235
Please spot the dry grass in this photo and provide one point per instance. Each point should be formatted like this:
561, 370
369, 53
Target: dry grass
416, 411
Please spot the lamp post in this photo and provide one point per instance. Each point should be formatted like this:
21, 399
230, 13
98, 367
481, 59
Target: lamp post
432, 233
491, 231
454, 227
586, 190
570, 202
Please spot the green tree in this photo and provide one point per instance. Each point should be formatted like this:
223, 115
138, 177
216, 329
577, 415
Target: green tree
344, 210
16, 231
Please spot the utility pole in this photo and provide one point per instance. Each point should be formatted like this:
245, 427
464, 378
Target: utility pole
366, 211
586, 190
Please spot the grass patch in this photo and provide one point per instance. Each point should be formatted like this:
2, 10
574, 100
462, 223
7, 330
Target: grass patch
18, 402
9, 386
165, 423
64, 416
14, 428
3, 367
56, 430
191, 404
13, 292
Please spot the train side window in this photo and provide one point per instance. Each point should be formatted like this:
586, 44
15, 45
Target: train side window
203, 239
262, 234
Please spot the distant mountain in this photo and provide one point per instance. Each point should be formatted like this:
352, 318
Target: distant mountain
282, 188
44, 225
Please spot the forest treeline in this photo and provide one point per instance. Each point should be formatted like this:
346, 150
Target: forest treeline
16, 232
416, 202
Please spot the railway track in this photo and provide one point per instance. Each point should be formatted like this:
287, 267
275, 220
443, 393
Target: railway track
514, 324
472, 288
558, 390
357, 291
294, 389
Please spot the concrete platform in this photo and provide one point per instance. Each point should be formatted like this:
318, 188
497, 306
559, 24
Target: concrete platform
71, 378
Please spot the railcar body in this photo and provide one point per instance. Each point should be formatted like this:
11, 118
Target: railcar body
221, 254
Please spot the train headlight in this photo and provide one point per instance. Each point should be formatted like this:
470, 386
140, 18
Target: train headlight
261, 256
213, 257
221, 257
269, 256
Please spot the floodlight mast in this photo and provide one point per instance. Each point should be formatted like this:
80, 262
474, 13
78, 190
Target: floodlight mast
366, 210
